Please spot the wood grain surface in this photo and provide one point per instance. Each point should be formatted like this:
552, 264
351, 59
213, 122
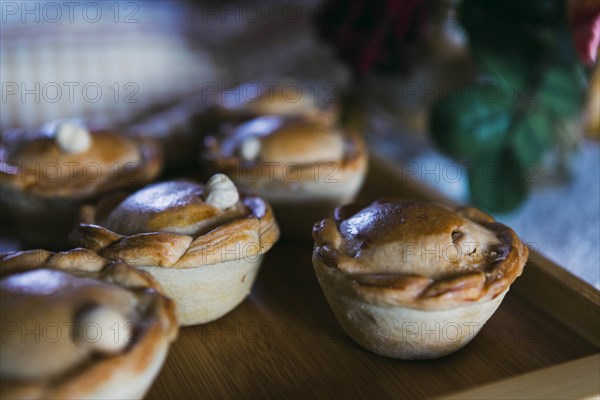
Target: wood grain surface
284, 342
573, 380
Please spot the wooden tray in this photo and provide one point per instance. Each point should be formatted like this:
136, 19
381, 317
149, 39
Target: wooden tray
284, 342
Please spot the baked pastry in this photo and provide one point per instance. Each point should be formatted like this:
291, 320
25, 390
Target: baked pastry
48, 173
76, 325
411, 280
286, 98
203, 244
181, 127
303, 166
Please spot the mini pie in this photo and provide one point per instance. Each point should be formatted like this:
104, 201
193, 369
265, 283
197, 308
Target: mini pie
303, 166
203, 244
411, 280
47, 174
76, 325
285, 98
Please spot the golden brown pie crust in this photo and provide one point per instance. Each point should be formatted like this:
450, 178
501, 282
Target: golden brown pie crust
35, 165
251, 228
159, 325
252, 99
220, 153
419, 291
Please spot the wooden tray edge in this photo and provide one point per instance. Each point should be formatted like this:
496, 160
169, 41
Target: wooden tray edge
578, 379
564, 296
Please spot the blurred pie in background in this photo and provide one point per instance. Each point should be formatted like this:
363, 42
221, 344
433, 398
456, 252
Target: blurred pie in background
48, 172
304, 165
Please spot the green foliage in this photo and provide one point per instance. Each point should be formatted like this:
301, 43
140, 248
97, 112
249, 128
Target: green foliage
524, 47
498, 184
508, 69
531, 137
562, 90
471, 126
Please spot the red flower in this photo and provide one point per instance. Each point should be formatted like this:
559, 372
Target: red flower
584, 19
374, 34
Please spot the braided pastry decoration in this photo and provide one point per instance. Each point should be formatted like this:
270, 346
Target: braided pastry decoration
249, 232
499, 265
78, 260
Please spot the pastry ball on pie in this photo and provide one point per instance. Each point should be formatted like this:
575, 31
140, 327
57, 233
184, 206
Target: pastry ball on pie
250, 100
203, 243
182, 207
303, 166
48, 173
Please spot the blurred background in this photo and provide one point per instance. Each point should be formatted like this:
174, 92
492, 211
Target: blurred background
494, 103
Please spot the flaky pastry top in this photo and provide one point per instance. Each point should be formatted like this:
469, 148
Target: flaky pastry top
33, 162
287, 140
172, 207
171, 224
404, 252
281, 99
276, 150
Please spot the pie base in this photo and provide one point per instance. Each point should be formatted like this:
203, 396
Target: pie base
206, 293
403, 332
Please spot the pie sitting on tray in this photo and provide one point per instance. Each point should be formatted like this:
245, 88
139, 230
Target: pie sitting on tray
203, 244
48, 173
76, 325
303, 166
410, 280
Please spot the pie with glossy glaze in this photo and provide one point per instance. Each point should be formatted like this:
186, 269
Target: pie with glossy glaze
204, 244
303, 166
409, 279
46, 176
